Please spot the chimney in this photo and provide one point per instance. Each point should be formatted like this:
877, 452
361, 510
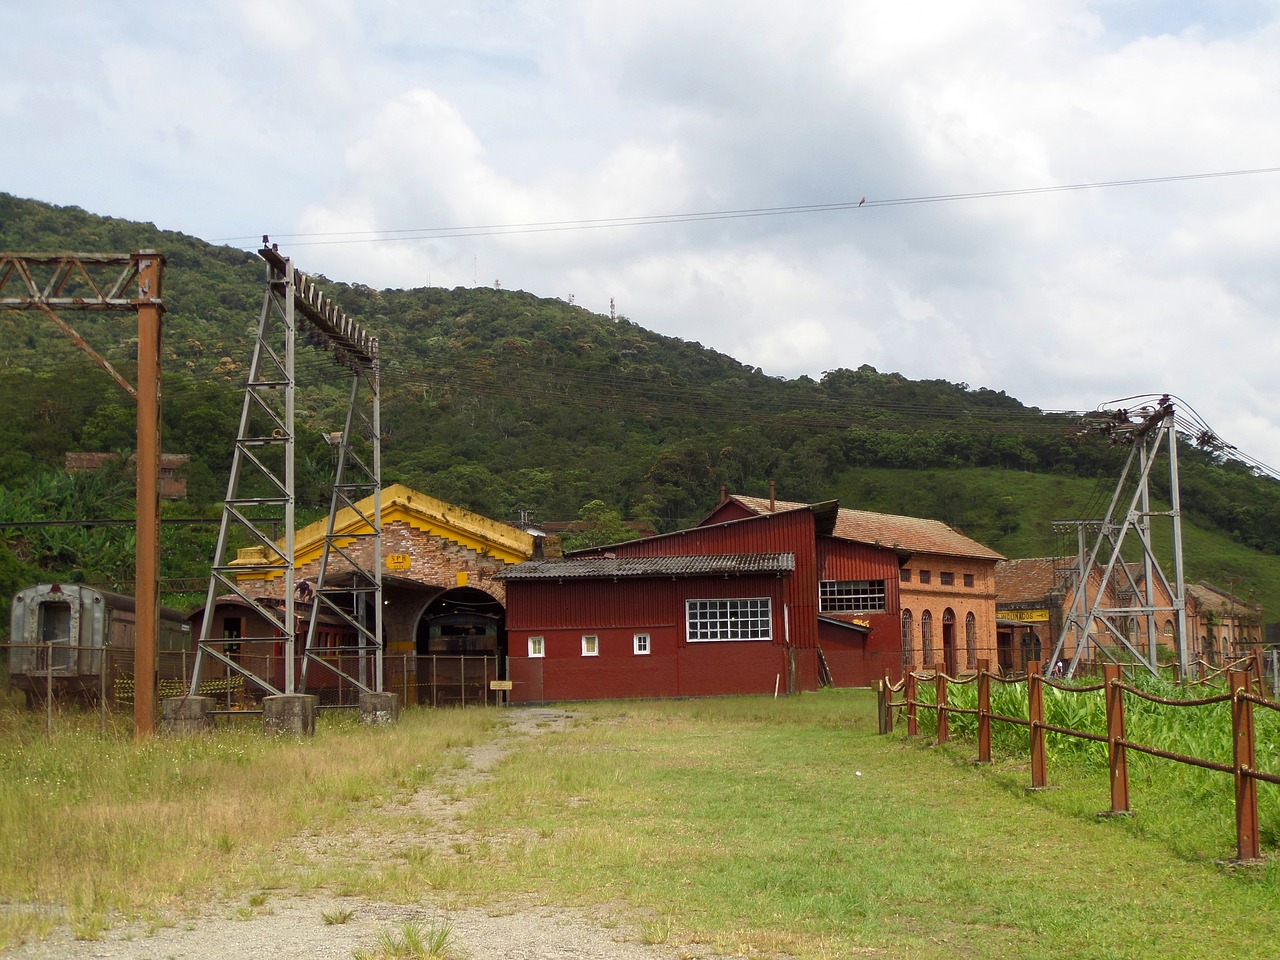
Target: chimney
773, 496
724, 493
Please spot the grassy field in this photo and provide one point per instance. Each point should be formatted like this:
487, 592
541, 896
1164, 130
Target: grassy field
759, 826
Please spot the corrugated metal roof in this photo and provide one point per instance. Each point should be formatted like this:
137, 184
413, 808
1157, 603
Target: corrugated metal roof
611, 568
910, 534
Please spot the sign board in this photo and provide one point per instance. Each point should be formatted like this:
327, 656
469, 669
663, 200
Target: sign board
499, 684
1026, 616
399, 561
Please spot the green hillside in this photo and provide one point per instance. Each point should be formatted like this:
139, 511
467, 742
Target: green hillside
517, 405
1014, 512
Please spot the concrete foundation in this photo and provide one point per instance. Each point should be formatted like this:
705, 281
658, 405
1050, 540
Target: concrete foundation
379, 708
183, 715
293, 713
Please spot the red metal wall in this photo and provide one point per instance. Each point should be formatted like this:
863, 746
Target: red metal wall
616, 610
791, 532
561, 613
858, 661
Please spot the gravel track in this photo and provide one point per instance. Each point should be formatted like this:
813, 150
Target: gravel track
293, 928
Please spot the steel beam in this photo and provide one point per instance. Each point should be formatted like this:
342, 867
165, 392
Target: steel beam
49, 282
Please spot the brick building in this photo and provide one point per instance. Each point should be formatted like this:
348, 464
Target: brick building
440, 594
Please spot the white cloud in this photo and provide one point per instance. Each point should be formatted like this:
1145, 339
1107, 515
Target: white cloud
337, 116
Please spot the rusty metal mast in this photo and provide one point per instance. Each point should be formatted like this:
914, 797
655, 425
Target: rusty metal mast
104, 282
1145, 431
261, 489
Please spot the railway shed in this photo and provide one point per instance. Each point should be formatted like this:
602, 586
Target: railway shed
727, 607
444, 605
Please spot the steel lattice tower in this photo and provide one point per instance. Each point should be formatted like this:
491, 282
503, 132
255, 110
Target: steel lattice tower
261, 492
1145, 431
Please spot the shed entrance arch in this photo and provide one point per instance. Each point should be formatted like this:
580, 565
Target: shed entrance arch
460, 644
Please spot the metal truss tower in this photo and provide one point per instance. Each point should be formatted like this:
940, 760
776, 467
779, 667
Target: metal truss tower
261, 494
1129, 603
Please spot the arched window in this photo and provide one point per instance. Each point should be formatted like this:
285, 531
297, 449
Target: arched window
971, 640
926, 637
908, 640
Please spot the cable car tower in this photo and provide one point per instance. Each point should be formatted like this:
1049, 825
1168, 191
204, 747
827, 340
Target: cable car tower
261, 495
1130, 607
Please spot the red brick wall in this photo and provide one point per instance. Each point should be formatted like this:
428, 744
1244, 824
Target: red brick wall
434, 562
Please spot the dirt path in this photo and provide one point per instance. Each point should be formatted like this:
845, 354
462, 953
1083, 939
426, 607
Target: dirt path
293, 928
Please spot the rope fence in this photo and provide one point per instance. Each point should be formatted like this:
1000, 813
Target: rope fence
1240, 695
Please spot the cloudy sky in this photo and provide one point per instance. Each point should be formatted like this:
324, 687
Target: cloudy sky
383, 143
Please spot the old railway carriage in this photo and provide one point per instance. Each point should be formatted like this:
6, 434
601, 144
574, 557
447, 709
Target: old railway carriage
76, 641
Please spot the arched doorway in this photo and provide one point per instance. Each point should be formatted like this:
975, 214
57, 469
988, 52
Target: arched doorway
461, 645
949, 641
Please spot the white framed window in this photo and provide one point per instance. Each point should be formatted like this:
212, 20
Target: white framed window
737, 619
640, 644
851, 596
537, 647
590, 645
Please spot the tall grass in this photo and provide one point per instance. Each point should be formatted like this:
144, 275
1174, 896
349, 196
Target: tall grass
96, 822
1196, 805
752, 825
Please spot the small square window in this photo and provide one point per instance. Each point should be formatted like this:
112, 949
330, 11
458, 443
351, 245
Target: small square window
536, 647
905, 575
641, 644
968, 579
924, 576
947, 579
590, 645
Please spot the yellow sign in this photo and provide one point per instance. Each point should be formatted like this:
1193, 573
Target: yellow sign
499, 684
399, 561
1026, 616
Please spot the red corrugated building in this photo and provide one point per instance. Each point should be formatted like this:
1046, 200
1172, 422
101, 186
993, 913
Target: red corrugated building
945, 598
723, 608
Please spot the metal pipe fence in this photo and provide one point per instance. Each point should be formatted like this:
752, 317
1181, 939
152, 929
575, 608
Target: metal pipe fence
103, 678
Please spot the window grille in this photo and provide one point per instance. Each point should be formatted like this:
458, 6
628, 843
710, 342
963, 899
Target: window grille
851, 596
736, 619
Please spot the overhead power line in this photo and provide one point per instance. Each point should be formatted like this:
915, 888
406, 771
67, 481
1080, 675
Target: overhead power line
555, 226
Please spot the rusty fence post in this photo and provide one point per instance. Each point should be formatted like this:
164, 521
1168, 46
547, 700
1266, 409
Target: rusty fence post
913, 727
1035, 713
1247, 843
940, 698
1115, 734
984, 711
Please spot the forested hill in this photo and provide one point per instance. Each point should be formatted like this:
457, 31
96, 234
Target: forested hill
506, 402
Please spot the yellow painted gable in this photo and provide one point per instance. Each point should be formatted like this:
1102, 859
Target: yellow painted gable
423, 513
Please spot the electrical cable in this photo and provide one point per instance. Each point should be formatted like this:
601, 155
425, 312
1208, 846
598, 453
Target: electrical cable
551, 226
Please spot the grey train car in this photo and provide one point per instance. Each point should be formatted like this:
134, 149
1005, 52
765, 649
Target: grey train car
68, 633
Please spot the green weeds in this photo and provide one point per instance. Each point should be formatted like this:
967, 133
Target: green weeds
413, 941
